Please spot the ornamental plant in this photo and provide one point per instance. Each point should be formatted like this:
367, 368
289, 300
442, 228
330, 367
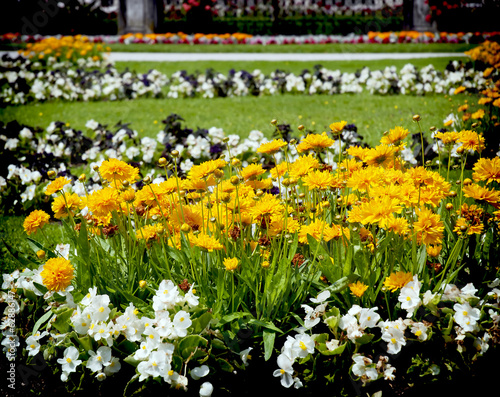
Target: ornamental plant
164, 272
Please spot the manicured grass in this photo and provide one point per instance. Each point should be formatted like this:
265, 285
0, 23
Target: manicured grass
287, 48
373, 114
267, 67
314, 48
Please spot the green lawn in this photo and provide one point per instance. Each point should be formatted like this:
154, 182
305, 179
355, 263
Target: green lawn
314, 48
373, 114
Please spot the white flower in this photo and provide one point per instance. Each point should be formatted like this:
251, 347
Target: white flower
70, 360
466, 316
26, 133
303, 345
323, 296
63, 250
99, 359
180, 324
206, 389
113, 366
395, 339
368, 317
364, 368
11, 143
199, 372
420, 331
245, 355
32, 345
286, 370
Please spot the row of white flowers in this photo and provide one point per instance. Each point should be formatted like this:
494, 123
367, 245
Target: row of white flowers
23, 81
358, 324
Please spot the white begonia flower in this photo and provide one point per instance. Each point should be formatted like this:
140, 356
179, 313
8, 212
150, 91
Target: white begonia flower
323, 296
389, 372
113, 366
100, 376
70, 360
481, 344
286, 370
245, 355
303, 345
395, 339
99, 359
206, 389
409, 296
419, 330
364, 368
100, 308
368, 317
468, 291
200, 372
180, 324
466, 316
32, 345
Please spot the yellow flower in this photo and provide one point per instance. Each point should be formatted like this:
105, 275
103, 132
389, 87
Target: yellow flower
338, 127
321, 180
358, 288
429, 227
315, 142
271, 147
116, 170
303, 165
480, 193
487, 170
381, 155
471, 140
66, 203
205, 242
459, 90
35, 221
395, 136
57, 274
252, 171
56, 185
149, 232
102, 202
231, 264
397, 280
205, 169
478, 115
433, 250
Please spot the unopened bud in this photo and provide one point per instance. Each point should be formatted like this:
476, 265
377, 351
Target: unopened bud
162, 161
82, 178
174, 153
417, 117
40, 254
51, 174
143, 284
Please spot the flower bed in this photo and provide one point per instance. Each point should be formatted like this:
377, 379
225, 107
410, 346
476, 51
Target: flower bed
243, 38
179, 280
23, 81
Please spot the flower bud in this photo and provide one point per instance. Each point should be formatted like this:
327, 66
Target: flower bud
82, 178
417, 117
185, 228
235, 162
218, 173
162, 161
449, 206
143, 284
301, 127
174, 153
147, 180
235, 180
274, 122
40, 254
51, 174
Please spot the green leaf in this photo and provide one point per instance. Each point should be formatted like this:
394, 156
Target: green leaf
42, 320
85, 342
366, 338
25, 262
63, 320
231, 317
265, 324
200, 323
190, 345
224, 365
269, 338
342, 283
